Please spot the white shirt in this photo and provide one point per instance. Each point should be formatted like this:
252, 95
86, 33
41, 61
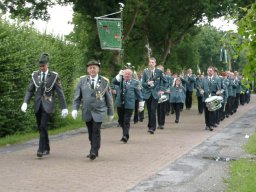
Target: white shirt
46, 72
174, 82
95, 79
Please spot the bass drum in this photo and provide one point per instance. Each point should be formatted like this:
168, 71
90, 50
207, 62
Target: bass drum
213, 103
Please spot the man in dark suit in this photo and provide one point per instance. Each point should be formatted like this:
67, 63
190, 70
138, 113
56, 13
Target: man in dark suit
151, 81
93, 91
43, 85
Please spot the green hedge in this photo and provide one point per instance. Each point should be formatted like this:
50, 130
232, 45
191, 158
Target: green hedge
20, 48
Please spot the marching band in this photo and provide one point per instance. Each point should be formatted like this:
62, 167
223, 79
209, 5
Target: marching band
218, 94
218, 97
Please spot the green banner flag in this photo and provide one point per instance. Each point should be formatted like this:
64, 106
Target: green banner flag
110, 33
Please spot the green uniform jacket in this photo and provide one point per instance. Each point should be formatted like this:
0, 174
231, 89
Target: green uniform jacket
177, 95
95, 102
131, 92
158, 78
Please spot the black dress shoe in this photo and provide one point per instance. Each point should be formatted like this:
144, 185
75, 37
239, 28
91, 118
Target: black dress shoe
124, 139
161, 127
151, 131
39, 154
208, 127
92, 156
88, 156
176, 121
46, 152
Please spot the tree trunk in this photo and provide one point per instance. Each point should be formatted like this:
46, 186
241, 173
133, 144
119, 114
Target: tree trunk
167, 48
131, 24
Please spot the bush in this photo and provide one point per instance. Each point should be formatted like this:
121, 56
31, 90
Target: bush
20, 48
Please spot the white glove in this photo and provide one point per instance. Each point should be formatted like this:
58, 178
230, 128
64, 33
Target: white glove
121, 72
141, 106
64, 113
74, 114
151, 83
119, 75
111, 117
24, 107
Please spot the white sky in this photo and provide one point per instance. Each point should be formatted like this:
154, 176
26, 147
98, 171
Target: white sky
59, 21
224, 25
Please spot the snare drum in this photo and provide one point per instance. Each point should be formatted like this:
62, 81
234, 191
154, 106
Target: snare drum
213, 103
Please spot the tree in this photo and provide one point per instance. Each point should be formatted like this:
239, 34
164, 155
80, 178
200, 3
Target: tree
161, 24
247, 41
209, 45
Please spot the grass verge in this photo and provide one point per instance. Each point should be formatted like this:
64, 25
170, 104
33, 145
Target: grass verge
20, 138
243, 172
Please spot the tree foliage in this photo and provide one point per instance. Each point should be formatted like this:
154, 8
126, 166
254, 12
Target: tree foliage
246, 41
161, 24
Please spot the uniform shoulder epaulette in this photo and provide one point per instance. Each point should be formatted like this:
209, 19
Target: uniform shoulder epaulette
54, 72
82, 76
105, 78
34, 72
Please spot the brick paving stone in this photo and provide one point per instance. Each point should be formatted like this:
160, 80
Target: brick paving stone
119, 166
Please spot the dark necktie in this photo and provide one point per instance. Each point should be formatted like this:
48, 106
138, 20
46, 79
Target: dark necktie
43, 81
151, 74
92, 83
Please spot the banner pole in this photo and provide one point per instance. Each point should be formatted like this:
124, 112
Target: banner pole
121, 52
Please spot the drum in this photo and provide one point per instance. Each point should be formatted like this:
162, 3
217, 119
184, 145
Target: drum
213, 103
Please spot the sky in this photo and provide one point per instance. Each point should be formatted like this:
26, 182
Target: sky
224, 25
59, 21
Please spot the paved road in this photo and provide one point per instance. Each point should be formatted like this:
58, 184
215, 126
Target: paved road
120, 167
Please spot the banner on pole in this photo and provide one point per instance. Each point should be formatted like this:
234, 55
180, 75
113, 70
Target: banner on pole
110, 33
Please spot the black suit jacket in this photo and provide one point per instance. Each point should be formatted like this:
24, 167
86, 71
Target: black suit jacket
45, 95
